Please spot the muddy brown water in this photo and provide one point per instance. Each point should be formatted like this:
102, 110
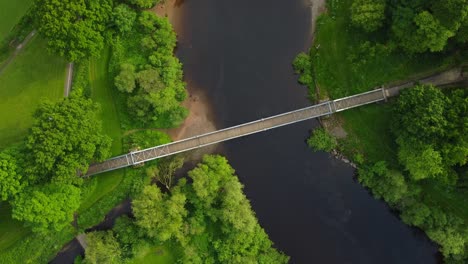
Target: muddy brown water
239, 54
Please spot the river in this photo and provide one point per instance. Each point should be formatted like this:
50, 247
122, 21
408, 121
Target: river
239, 53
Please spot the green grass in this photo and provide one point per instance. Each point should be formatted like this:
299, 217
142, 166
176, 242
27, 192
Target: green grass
34, 75
102, 92
154, 254
370, 133
10, 230
10, 14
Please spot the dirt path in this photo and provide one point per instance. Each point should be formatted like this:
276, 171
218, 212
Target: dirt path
68, 81
18, 49
316, 8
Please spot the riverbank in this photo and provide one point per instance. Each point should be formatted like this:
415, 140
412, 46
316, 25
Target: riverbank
201, 118
342, 66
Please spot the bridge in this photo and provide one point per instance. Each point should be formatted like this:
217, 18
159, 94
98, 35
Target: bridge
449, 77
318, 110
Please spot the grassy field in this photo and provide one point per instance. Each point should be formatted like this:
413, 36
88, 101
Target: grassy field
102, 92
10, 230
10, 14
154, 254
34, 75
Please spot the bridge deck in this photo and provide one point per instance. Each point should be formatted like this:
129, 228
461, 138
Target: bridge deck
310, 112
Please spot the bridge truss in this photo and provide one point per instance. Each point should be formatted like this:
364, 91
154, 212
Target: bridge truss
318, 110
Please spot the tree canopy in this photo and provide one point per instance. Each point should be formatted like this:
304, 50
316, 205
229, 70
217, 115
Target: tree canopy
415, 26
210, 219
10, 178
102, 248
431, 131
47, 207
74, 28
156, 89
66, 136
368, 14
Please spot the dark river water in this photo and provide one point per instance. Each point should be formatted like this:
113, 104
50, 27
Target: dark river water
239, 54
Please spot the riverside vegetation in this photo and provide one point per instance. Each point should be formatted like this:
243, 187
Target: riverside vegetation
413, 151
124, 60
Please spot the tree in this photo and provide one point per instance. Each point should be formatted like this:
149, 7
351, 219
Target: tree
430, 35
74, 28
368, 14
48, 207
164, 172
127, 234
387, 184
452, 241
321, 140
65, 137
102, 248
303, 66
159, 215
421, 161
144, 3
124, 17
217, 197
125, 81
150, 81
10, 180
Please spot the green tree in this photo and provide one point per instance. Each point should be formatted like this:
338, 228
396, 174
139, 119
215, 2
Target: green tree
303, 66
150, 81
128, 235
422, 161
10, 180
451, 240
368, 14
387, 184
164, 172
65, 137
144, 3
48, 207
321, 140
102, 248
160, 216
125, 81
124, 17
216, 194
74, 28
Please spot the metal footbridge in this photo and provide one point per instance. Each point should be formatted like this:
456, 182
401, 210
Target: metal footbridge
318, 110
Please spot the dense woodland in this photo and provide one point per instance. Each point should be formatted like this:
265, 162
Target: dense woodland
420, 169
206, 220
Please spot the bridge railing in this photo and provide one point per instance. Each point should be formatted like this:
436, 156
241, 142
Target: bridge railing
322, 109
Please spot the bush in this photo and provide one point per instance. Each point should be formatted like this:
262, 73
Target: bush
321, 140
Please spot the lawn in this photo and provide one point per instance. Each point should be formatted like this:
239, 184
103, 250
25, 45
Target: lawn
153, 254
10, 230
102, 92
10, 14
370, 126
33, 76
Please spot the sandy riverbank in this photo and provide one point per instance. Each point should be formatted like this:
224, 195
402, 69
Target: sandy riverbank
317, 7
200, 119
